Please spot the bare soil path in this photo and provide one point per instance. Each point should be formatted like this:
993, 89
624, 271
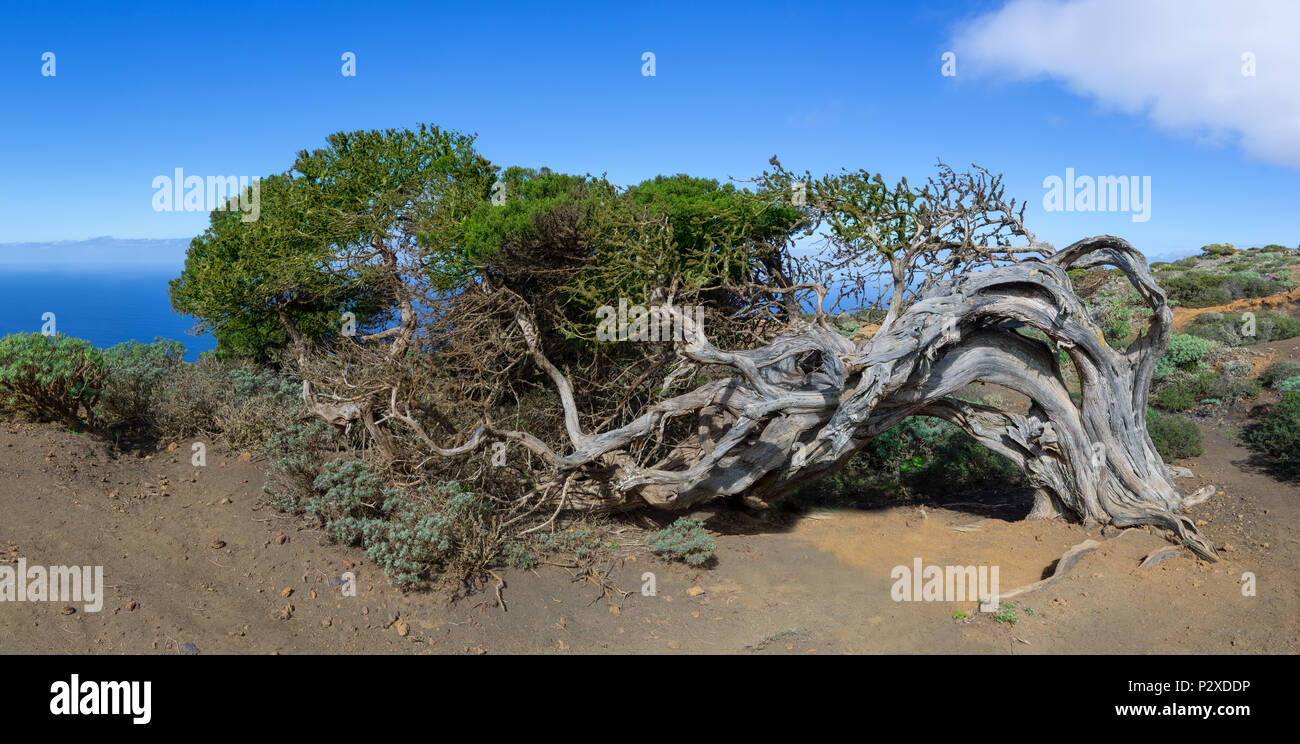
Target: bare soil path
191, 558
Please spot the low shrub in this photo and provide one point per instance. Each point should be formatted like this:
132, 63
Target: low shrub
346, 494
56, 377
240, 401
294, 457
1277, 434
1243, 330
1115, 322
136, 376
1203, 288
1174, 437
448, 528
1275, 373
1184, 390
1185, 352
684, 540
1219, 249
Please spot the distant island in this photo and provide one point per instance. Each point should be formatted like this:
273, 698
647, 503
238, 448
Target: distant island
98, 252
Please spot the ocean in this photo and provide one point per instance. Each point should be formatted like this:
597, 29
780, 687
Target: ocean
104, 306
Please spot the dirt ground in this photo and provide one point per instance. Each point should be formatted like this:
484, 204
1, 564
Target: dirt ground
191, 558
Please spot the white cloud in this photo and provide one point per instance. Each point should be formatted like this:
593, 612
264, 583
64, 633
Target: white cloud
1180, 62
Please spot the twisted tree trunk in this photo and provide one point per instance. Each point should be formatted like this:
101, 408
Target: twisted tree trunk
774, 425
797, 409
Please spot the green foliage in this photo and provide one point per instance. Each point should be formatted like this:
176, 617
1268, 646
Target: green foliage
519, 556
1290, 384
57, 376
307, 259
295, 456
580, 243
346, 492
245, 403
958, 462
1275, 373
1174, 436
1115, 324
411, 534
1203, 288
137, 374
922, 455
580, 540
1006, 614
684, 540
1185, 389
450, 528
1219, 249
1273, 247
1185, 352
1234, 330
1277, 434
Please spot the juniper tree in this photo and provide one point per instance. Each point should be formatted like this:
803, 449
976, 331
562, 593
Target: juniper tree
481, 366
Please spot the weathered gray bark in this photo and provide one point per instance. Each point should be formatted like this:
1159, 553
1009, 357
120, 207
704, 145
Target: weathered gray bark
772, 425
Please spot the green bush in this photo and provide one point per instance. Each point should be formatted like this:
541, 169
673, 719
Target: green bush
920, 454
1273, 248
1183, 390
347, 492
684, 540
295, 456
57, 377
1277, 434
137, 373
1219, 249
1203, 289
1234, 330
450, 528
1275, 373
1185, 352
1290, 385
243, 403
1115, 324
1174, 436
1177, 395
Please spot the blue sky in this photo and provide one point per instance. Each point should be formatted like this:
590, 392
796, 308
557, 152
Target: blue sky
239, 88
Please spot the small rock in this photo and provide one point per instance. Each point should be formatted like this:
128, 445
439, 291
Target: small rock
217, 544
244, 457
132, 605
402, 628
287, 592
281, 539
189, 649
327, 622
68, 610
694, 591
